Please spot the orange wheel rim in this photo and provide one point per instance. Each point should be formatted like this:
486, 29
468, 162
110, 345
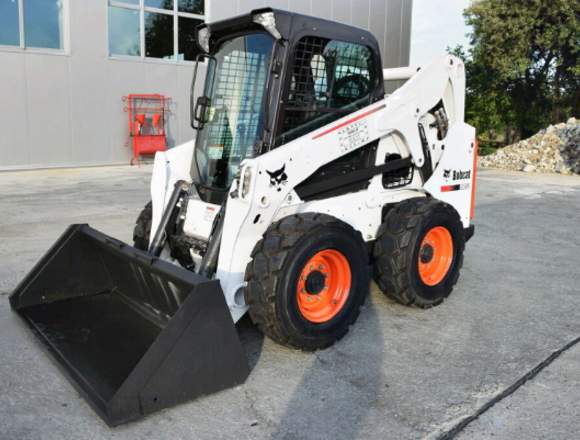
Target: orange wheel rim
435, 255
323, 286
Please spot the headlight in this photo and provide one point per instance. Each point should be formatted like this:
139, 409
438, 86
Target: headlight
246, 181
203, 38
267, 20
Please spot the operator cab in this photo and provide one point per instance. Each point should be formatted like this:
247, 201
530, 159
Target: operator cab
271, 77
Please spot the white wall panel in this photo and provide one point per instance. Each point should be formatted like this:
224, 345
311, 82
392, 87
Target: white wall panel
13, 111
394, 29
48, 102
341, 11
378, 10
245, 6
281, 4
359, 12
322, 8
62, 110
301, 6
89, 111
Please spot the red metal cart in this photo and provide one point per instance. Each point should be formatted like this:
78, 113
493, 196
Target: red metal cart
147, 123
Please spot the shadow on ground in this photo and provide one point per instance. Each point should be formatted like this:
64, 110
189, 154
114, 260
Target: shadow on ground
338, 388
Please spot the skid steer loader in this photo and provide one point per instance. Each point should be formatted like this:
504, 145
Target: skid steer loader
303, 181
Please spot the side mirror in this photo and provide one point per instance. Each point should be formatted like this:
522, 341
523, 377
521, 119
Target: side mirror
201, 112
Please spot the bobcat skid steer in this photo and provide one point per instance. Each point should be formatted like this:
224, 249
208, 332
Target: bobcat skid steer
302, 181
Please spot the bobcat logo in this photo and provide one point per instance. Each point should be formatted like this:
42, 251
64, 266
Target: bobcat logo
461, 175
456, 174
278, 177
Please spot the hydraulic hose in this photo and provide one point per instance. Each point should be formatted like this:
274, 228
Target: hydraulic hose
208, 264
156, 246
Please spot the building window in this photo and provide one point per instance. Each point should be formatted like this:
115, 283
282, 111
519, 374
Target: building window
32, 23
162, 29
124, 31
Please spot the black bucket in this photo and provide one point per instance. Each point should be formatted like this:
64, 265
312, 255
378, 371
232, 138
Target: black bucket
133, 333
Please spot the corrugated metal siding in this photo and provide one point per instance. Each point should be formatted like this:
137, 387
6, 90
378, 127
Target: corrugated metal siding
66, 110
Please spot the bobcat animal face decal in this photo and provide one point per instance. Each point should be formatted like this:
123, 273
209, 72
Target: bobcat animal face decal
278, 178
446, 174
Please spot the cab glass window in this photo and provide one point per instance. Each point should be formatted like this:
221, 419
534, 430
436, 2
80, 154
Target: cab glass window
329, 79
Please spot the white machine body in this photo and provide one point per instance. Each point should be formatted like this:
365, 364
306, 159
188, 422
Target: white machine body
393, 121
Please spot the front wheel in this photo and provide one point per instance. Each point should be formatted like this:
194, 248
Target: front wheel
307, 279
142, 229
419, 252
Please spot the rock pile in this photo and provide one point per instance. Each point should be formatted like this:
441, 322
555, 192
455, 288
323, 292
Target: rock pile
555, 149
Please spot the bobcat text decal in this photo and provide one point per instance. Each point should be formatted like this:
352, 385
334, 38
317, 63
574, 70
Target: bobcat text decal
456, 175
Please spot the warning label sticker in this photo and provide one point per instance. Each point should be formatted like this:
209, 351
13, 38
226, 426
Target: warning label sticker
353, 135
210, 213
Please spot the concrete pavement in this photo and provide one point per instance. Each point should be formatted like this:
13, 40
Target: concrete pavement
547, 407
400, 373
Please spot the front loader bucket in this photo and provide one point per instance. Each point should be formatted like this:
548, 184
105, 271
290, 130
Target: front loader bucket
133, 333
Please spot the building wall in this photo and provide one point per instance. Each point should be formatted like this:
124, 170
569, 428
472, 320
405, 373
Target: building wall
66, 109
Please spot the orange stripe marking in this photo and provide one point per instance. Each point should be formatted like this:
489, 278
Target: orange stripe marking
474, 181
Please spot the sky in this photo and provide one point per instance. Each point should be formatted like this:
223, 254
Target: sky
436, 25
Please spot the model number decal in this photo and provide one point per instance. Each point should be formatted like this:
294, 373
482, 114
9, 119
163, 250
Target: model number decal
349, 121
353, 135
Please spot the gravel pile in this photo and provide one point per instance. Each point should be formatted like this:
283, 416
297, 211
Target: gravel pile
555, 149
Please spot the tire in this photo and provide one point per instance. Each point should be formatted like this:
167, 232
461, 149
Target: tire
142, 229
418, 252
307, 279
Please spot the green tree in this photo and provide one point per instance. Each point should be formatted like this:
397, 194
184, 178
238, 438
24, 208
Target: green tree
522, 68
487, 107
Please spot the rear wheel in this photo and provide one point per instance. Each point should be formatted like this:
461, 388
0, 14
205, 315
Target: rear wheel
307, 279
419, 252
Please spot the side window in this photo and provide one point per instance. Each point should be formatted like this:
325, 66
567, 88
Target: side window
351, 72
329, 79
